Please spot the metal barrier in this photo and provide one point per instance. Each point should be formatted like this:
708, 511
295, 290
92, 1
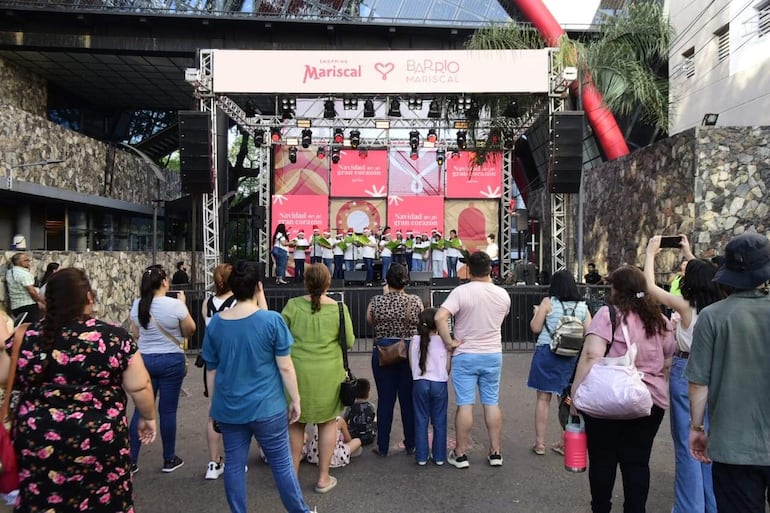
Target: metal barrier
515, 330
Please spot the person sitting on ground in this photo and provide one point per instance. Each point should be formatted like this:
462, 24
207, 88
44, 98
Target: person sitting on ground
361, 416
346, 446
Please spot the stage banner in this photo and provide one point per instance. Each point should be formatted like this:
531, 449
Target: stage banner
357, 214
360, 175
309, 175
415, 213
473, 220
466, 179
299, 212
421, 177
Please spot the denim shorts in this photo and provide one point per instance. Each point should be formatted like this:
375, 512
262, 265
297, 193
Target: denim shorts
471, 370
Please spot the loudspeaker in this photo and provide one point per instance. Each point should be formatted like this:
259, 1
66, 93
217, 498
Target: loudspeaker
445, 282
522, 219
355, 277
420, 276
195, 152
567, 151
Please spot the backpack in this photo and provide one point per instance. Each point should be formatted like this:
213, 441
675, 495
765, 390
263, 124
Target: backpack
362, 422
567, 338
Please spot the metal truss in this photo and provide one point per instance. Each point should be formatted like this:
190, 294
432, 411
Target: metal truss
263, 154
559, 201
507, 217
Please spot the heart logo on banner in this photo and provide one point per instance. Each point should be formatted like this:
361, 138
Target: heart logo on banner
384, 68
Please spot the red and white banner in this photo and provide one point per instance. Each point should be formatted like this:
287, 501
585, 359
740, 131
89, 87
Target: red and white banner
357, 214
380, 72
467, 179
358, 176
421, 177
416, 213
300, 212
309, 175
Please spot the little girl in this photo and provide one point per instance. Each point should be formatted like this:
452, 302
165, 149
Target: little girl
346, 446
429, 361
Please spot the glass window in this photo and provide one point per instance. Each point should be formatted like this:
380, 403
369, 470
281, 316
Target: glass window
55, 233
78, 230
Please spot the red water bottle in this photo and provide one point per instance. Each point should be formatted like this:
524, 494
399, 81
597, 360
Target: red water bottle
575, 445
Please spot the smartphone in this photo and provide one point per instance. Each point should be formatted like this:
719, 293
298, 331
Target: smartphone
670, 241
172, 293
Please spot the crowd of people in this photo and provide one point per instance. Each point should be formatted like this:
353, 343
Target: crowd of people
706, 362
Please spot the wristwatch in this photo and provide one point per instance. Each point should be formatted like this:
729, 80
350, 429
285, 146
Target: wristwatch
700, 428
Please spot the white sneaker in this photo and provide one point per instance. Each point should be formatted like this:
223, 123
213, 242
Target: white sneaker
214, 470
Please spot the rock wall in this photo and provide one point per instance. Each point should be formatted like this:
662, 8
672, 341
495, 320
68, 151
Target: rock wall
23, 90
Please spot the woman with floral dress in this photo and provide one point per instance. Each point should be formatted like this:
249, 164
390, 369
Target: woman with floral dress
71, 435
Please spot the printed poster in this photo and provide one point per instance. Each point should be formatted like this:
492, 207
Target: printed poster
415, 213
357, 214
466, 179
421, 177
309, 175
299, 212
473, 220
360, 174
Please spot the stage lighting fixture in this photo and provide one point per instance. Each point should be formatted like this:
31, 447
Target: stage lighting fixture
710, 119
335, 155
414, 103
293, 155
368, 109
307, 137
288, 106
355, 139
259, 138
350, 103
395, 107
339, 136
329, 112
321, 152
414, 154
440, 157
472, 113
462, 139
434, 111
432, 135
494, 138
463, 103
414, 139
508, 140
275, 134
511, 110
455, 154
363, 153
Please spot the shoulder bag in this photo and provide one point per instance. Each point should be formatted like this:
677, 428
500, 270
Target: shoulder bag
9, 468
181, 343
396, 352
613, 388
348, 385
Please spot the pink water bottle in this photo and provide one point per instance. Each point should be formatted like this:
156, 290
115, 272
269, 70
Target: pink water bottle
575, 445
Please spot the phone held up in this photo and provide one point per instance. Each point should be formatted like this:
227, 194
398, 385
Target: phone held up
172, 293
670, 241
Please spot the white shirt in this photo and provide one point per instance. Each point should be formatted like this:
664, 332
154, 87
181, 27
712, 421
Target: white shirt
435, 362
300, 246
479, 308
492, 251
369, 250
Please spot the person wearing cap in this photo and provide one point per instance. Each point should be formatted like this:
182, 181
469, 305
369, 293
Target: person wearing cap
437, 254
386, 252
421, 253
367, 253
327, 253
338, 254
316, 250
300, 244
399, 250
409, 249
22, 293
349, 254
453, 247
728, 371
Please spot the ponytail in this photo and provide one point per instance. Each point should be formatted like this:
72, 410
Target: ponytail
425, 325
152, 280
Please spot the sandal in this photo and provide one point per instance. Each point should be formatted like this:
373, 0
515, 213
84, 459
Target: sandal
327, 488
558, 449
539, 449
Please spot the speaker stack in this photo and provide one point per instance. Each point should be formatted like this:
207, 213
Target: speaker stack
567, 151
195, 152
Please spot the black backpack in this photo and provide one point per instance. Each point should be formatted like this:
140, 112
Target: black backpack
362, 422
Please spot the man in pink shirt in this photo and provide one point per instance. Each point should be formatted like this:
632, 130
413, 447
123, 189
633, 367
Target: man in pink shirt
479, 308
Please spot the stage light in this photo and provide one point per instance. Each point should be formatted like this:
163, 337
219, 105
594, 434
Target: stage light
414, 103
293, 155
512, 110
355, 139
414, 139
508, 140
339, 136
440, 157
329, 112
472, 113
350, 103
321, 152
432, 135
414, 154
462, 139
455, 154
363, 153
494, 137
304, 123
395, 107
288, 106
434, 111
335, 155
275, 134
307, 137
368, 109
463, 103
259, 138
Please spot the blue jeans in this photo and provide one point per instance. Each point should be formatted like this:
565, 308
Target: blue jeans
273, 436
393, 381
416, 265
299, 269
693, 486
451, 264
431, 400
385, 266
409, 260
369, 263
281, 260
329, 263
166, 373
339, 267
350, 265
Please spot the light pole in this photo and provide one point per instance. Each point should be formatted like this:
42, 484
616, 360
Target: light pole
11, 166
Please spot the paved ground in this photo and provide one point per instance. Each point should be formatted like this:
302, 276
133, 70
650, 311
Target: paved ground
526, 483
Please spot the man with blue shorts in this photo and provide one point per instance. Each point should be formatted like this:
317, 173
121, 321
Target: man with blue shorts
479, 308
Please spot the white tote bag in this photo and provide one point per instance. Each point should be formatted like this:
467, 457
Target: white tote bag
613, 388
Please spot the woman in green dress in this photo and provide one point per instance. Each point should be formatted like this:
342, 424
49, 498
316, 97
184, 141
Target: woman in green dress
314, 321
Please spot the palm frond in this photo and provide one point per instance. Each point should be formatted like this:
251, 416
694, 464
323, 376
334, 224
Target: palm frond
505, 37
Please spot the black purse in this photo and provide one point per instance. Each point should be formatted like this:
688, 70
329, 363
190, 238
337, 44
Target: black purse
348, 385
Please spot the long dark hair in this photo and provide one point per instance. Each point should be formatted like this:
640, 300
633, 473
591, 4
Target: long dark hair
281, 228
317, 282
629, 295
563, 286
66, 298
697, 286
49, 270
152, 280
426, 324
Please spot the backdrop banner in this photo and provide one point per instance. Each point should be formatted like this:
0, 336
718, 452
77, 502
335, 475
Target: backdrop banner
309, 175
473, 220
357, 214
359, 176
421, 177
415, 213
466, 179
300, 212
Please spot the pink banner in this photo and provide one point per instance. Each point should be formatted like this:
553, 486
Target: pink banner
360, 174
300, 212
357, 214
416, 213
421, 177
466, 179
309, 175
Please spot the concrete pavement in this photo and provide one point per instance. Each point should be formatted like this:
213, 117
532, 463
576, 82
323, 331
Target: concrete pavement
526, 483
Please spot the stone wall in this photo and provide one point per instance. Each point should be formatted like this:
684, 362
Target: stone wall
115, 276
23, 90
